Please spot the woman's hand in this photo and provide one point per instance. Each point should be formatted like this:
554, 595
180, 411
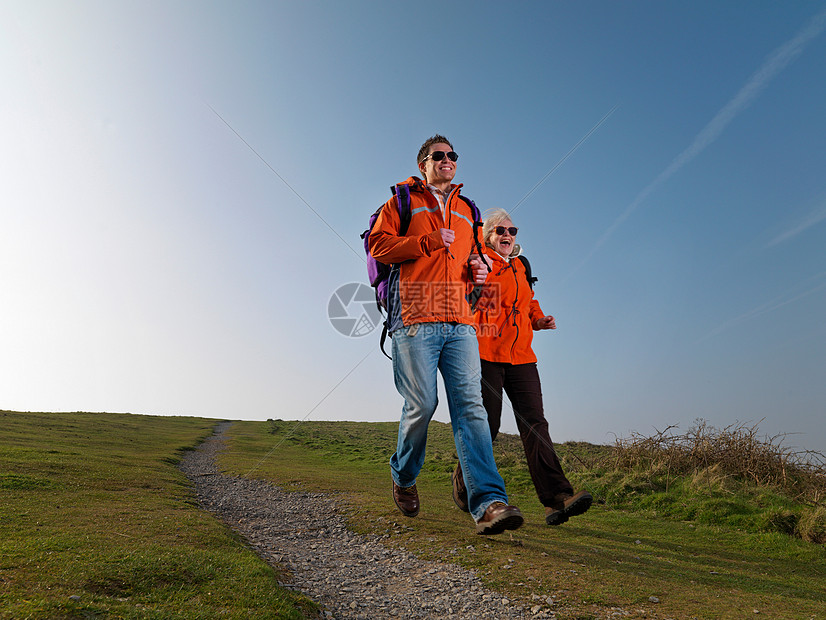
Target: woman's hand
479, 271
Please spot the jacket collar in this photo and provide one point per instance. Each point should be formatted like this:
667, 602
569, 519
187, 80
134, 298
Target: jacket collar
418, 185
496, 256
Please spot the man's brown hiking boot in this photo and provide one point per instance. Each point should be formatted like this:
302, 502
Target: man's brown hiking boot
407, 499
459, 489
499, 517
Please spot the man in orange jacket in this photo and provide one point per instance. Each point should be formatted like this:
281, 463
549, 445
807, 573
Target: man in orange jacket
431, 326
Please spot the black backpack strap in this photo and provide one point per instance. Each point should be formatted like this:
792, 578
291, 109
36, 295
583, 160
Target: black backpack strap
476, 293
383, 340
474, 296
402, 194
528, 274
477, 224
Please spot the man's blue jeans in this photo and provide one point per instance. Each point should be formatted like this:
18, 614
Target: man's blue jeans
418, 351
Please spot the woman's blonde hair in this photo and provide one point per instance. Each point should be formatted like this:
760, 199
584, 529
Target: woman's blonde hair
494, 218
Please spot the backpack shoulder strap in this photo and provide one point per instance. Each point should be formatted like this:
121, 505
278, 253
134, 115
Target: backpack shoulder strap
477, 224
402, 194
528, 274
477, 216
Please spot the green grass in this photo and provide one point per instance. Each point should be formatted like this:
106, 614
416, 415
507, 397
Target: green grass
617, 555
96, 521
711, 500
93, 506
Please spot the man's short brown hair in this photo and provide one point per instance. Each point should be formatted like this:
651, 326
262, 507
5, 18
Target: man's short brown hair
425, 150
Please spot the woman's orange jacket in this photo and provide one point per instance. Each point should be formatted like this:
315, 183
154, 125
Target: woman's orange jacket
433, 282
505, 313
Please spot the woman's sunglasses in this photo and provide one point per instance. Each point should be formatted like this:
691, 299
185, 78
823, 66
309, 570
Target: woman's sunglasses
500, 230
440, 155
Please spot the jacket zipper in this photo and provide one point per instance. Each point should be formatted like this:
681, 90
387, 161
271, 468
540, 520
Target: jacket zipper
514, 310
446, 222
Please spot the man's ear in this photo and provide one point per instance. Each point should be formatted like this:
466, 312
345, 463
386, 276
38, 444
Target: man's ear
421, 169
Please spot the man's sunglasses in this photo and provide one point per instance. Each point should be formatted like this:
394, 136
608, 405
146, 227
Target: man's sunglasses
500, 230
440, 155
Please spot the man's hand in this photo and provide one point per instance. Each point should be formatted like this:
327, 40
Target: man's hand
448, 236
546, 322
479, 271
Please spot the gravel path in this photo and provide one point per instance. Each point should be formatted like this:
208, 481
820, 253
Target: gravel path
350, 575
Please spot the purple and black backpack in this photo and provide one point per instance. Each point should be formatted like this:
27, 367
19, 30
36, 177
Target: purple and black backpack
377, 272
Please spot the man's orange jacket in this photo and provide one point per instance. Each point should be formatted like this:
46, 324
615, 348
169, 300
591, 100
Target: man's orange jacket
505, 313
432, 281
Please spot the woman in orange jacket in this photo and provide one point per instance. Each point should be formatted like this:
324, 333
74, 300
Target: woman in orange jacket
506, 316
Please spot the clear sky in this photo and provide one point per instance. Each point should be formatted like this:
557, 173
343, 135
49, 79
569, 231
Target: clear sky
184, 185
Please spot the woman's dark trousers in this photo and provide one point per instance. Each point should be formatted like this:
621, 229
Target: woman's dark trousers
521, 383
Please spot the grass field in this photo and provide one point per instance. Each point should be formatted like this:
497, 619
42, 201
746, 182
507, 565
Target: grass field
609, 557
96, 521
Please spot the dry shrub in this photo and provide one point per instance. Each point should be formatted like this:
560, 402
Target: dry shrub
782, 520
737, 451
812, 525
710, 478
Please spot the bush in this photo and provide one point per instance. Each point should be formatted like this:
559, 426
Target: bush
711, 456
812, 525
730, 477
781, 520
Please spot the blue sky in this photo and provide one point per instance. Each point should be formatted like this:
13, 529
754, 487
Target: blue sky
184, 185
